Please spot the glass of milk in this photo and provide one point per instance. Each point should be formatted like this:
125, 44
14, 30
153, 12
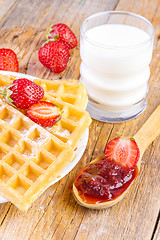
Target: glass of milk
116, 50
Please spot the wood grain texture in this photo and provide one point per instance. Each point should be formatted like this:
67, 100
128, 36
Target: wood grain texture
6, 7
55, 214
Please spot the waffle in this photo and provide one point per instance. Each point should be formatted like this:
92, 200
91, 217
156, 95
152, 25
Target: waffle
30, 157
68, 91
74, 120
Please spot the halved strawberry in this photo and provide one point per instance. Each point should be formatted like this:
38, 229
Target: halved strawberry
122, 151
44, 113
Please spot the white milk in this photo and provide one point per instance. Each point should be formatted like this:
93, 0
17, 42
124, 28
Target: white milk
115, 69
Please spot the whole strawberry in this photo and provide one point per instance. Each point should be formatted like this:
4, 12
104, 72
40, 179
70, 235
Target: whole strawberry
54, 55
22, 93
8, 60
61, 32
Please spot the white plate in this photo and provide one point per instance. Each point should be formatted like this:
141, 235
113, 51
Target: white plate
80, 147
19, 75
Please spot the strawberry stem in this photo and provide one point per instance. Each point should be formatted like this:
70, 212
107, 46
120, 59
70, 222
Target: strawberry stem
48, 40
132, 138
57, 119
6, 94
56, 37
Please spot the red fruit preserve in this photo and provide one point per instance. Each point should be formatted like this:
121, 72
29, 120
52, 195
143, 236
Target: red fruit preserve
103, 181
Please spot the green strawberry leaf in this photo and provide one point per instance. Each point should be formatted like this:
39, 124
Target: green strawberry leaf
6, 94
132, 138
56, 37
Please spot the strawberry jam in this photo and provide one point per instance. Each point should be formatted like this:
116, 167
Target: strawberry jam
103, 181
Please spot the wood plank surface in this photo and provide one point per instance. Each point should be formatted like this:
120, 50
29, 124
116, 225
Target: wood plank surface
55, 214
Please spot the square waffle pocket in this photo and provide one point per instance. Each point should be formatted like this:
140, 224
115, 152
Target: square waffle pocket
30, 157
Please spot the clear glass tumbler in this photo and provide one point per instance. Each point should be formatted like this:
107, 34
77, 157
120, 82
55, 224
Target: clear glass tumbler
116, 50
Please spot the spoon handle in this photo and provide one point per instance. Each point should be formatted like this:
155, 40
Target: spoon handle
149, 131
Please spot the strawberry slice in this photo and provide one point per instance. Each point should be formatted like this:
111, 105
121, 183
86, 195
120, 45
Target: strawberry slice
122, 151
44, 113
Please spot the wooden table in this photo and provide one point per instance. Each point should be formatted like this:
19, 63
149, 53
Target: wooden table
56, 215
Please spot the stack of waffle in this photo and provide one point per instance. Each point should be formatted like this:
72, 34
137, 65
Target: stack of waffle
31, 157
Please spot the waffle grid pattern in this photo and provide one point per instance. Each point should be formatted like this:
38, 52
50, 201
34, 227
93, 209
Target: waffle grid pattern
30, 157
68, 91
73, 122
74, 119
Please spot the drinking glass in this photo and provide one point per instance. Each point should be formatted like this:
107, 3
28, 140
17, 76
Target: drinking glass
115, 74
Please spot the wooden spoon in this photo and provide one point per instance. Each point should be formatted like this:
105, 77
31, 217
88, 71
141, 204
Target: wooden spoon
144, 137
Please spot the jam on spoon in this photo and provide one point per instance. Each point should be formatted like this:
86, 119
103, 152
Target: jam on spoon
125, 150
109, 176
103, 181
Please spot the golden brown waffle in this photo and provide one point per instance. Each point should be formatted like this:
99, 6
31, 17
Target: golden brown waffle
30, 157
73, 122
68, 91
74, 119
